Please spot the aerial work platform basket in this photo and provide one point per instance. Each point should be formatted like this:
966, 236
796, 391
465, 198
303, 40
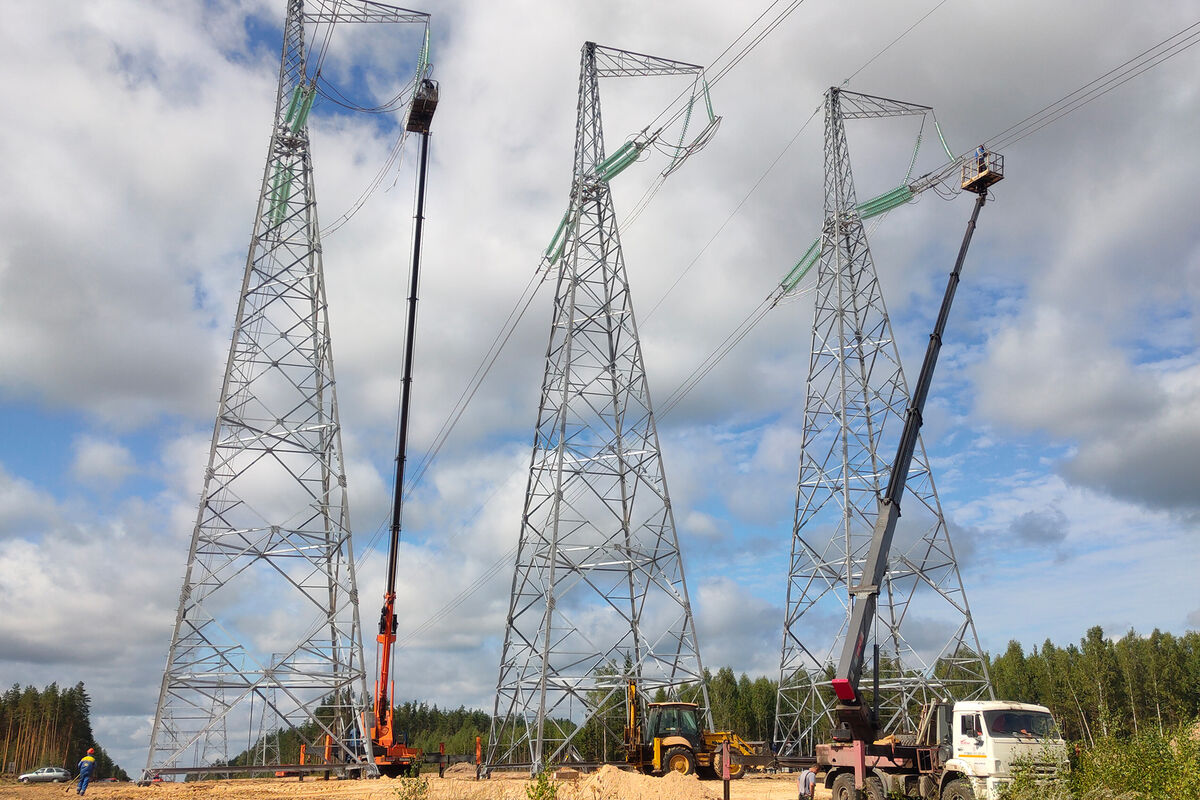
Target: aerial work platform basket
424, 102
981, 170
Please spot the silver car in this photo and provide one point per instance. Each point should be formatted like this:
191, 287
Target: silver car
46, 775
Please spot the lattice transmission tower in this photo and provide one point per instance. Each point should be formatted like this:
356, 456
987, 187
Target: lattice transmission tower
268, 612
853, 415
598, 593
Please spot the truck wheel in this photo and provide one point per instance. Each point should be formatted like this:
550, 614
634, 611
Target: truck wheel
737, 771
843, 787
958, 789
679, 759
873, 789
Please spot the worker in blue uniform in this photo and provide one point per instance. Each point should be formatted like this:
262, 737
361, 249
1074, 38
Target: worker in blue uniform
87, 765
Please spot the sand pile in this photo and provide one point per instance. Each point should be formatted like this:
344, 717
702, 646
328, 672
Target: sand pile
463, 769
610, 783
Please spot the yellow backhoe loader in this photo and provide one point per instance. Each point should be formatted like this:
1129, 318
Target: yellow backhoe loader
672, 738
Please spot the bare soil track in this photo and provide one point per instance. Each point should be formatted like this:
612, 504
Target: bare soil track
608, 783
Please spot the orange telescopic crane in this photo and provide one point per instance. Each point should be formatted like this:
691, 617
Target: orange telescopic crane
393, 755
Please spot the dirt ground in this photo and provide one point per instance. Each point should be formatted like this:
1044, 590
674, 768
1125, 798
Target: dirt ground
608, 783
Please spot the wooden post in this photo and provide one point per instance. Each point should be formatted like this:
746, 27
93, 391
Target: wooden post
725, 766
478, 756
303, 753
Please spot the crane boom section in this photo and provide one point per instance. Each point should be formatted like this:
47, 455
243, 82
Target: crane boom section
852, 712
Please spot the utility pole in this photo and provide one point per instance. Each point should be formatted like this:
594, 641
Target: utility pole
855, 406
272, 530
598, 594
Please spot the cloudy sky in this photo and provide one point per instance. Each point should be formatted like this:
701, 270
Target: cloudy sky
1063, 428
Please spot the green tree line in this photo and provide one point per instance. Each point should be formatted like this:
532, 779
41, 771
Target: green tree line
420, 724
1098, 688
428, 726
1102, 688
49, 728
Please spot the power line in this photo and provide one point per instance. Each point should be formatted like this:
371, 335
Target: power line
683, 273
889, 45
481, 372
1071, 102
394, 155
528, 294
724, 70
522, 305
786, 147
524, 301
1146, 60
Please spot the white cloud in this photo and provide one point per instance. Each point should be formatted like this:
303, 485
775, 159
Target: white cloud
1052, 371
1153, 459
101, 464
737, 629
1134, 426
25, 510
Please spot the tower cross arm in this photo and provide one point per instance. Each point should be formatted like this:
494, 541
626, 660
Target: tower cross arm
614, 63
855, 105
361, 11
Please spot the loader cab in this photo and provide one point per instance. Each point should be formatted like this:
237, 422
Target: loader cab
666, 720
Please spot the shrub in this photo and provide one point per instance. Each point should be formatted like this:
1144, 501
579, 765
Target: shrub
1149, 765
542, 787
413, 786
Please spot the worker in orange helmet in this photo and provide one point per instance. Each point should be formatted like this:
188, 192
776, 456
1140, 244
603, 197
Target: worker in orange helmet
87, 766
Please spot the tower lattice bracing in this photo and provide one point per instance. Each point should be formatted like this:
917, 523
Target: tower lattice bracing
267, 631
854, 413
598, 593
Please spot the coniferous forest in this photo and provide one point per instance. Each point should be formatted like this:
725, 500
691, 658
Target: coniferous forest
1102, 688
49, 728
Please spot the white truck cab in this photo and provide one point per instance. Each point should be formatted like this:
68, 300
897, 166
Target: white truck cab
987, 737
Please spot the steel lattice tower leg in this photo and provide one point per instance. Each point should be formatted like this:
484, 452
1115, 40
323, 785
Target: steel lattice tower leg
853, 415
598, 592
272, 530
